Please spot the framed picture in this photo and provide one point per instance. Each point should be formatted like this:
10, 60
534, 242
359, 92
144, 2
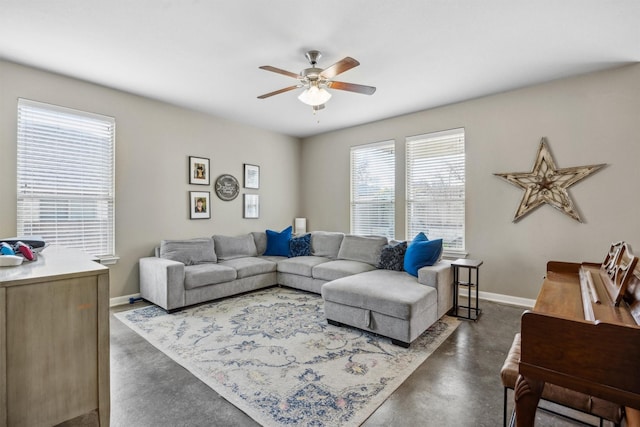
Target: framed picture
251, 176
199, 170
199, 206
251, 206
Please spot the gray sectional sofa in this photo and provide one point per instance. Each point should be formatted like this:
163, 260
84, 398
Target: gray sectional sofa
342, 268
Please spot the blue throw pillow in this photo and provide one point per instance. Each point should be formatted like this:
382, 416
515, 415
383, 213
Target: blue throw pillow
420, 237
421, 253
278, 243
300, 246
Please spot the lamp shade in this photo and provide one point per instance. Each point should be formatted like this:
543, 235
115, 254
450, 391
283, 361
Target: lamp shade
314, 96
300, 225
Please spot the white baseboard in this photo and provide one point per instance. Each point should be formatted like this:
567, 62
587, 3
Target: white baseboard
507, 299
489, 296
113, 302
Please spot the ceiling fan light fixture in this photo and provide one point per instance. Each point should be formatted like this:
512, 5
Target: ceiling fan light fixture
314, 96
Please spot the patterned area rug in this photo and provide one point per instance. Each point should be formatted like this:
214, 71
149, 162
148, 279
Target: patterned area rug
272, 354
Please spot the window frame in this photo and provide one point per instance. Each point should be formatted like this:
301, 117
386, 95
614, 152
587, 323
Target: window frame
360, 200
55, 145
452, 207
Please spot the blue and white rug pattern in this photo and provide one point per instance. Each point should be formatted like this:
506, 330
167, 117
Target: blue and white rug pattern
272, 354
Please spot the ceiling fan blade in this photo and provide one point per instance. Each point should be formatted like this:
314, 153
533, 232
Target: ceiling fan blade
279, 71
352, 87
339, 67
276, 92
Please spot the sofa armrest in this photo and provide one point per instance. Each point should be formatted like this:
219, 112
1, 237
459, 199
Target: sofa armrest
162, 282
439, 276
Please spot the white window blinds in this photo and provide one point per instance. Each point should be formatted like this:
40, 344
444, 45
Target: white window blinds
66, 177
373, 189
436, 186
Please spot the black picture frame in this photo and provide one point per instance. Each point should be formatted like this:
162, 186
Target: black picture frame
251, 176
199, 171
199, 204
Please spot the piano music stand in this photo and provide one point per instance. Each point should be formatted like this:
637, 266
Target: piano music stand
472, 308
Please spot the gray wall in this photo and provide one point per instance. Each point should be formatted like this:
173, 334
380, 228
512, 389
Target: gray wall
153, 142
587, 119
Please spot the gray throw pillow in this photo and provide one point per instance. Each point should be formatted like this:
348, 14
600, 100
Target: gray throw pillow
232, 247
189, 251
361, 248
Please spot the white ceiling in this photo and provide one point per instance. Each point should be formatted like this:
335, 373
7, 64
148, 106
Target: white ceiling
205, 54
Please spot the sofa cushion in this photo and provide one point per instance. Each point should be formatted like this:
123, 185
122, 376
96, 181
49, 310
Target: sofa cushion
250, 266
339, 268
301, 265
231, 247
300, 246
199, 275
326, 243
392, 256
361, 248
394, 293
275, 259
278, 242
189, 251
421, 254
260, 239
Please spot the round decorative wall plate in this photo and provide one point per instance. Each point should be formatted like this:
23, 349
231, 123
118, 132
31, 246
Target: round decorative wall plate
227, 187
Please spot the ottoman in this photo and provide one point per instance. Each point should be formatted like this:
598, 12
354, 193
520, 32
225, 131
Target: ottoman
390, 303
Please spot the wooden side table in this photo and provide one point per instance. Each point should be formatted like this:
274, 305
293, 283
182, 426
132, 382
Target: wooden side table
471, 311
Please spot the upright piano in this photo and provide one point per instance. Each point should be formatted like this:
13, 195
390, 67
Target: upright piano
583, 334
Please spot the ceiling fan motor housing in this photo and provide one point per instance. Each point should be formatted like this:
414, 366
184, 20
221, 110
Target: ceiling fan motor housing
311, 73
311, 76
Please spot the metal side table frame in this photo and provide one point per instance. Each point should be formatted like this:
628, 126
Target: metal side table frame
472, 308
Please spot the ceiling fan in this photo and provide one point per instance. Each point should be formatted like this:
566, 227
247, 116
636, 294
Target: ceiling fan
316, 81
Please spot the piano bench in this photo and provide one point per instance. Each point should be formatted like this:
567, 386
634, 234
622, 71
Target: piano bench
600, 408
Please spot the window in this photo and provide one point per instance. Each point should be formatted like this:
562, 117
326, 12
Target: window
373, 189
66, 177
435, 187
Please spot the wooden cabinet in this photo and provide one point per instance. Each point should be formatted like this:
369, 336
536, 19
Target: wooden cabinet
54, 340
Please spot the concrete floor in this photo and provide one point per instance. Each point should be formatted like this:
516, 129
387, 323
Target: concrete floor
458, 385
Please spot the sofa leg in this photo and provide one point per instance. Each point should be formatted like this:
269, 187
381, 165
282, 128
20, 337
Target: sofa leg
400, 343
334, 323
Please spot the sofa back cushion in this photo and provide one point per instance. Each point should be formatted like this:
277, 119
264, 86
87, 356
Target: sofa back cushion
232, 247
189, 251
326, 243
362, 248
260, 239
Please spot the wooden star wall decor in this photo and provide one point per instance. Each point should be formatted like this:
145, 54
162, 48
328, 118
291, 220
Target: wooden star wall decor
547, 184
